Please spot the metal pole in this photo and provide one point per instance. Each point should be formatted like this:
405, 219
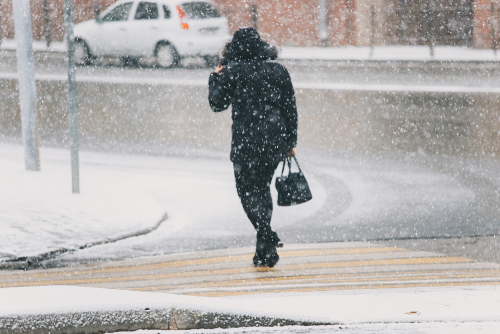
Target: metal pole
1, 22
492, 27
72, 106
430, 26
323, 22
255, 16
46, 12
372, 37
400, 28
97, 11
27, 87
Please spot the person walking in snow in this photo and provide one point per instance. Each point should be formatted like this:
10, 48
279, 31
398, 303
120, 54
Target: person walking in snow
264, 127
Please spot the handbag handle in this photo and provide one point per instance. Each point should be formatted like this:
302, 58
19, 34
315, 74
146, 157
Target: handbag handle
289, 165
288, 159
296, 161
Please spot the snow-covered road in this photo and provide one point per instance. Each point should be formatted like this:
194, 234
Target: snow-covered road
355, 198
391, 151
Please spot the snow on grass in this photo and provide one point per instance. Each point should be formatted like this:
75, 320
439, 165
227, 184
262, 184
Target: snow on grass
39, 213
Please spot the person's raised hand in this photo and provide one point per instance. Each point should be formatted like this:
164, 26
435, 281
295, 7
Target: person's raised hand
219, 69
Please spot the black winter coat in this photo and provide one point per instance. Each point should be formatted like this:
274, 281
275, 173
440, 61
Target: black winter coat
264, 112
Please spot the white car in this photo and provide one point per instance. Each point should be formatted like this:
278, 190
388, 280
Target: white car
164, 29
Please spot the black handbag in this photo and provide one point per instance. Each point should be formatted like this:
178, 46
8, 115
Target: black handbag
292, 188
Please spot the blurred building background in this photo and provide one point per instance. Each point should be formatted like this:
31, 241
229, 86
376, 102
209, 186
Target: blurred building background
471, 23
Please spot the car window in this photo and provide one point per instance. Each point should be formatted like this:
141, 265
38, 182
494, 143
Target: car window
119, 13
146, 11
166, 12
199, 10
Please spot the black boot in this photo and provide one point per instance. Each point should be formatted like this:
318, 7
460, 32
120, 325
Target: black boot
265, 250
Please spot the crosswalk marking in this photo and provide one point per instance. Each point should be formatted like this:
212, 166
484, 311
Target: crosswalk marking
325, 279
299, 253
365, 287
377, 262
205, 261
302, 268
353, 284
318, 279
384, 262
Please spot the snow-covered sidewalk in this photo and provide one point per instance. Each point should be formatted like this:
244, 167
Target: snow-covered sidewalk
39, 214
389, 53
460, 303
56, 46
388, 328
379, 53
60, 308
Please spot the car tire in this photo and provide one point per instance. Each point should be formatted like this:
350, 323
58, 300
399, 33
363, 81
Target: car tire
130, 61
82, 53
212, 61
166, 56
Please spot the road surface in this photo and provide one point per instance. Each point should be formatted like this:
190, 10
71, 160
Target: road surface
385, 161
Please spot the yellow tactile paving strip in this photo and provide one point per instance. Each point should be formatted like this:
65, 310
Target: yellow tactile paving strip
335, 266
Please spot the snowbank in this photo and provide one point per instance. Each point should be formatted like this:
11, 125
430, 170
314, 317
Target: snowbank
62, 308
11, 44
65, 309
386, 53
380, 53
460, 304
39, 214
73, 299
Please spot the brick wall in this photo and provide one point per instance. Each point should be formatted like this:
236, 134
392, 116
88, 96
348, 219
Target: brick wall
483, 20
295, 22
83, 10
288, 22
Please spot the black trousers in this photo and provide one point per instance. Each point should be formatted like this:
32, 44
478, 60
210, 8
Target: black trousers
253, 183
